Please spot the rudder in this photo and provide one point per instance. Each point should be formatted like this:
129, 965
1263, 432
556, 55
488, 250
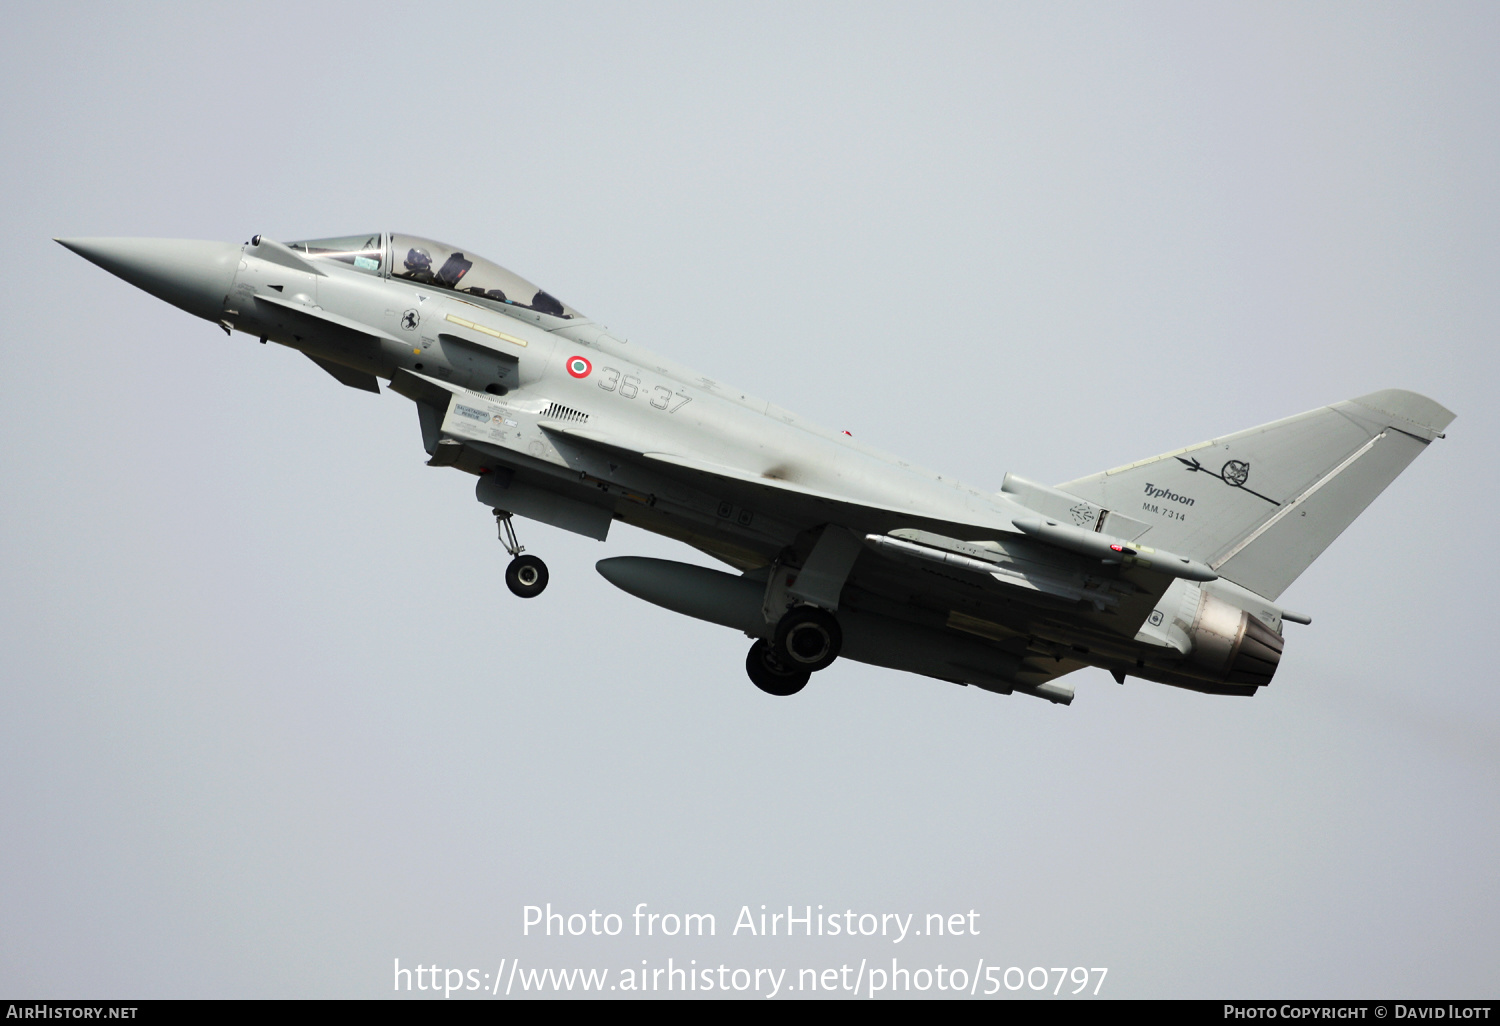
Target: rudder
1260, 505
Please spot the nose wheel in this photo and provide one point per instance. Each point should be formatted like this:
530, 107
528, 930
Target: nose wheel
526, 576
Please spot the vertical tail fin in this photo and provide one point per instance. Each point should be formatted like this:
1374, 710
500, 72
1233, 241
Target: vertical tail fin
1260, 505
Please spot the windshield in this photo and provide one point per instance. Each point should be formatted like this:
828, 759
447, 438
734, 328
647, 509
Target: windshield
364, 252
442, 266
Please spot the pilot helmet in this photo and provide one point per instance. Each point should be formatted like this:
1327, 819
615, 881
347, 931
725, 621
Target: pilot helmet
418, 260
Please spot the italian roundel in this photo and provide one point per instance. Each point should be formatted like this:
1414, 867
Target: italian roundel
579, 367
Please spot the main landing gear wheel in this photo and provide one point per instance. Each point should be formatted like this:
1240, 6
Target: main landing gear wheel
526, 576
770, 676
807, 638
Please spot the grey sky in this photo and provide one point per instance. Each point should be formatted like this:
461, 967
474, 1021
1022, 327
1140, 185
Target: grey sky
269, 719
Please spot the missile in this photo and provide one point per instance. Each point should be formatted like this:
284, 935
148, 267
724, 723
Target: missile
1005, 573
1114, 550
735, 602
932, 554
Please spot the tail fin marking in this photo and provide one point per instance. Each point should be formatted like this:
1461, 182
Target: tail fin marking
1260, 505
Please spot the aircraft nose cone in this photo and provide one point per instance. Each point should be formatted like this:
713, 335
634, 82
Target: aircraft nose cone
188, 273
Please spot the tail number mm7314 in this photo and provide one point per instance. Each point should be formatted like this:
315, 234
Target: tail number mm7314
628, 386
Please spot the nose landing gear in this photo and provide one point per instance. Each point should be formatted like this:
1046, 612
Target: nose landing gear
526, 576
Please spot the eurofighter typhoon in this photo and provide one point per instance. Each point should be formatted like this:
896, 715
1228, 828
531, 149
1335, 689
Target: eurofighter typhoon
1168, 569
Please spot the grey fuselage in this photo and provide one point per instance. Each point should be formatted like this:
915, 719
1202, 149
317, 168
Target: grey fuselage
562, 422
635, 402
629, 394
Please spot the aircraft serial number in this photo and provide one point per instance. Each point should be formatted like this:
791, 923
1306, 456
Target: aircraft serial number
628, 386
1170, 514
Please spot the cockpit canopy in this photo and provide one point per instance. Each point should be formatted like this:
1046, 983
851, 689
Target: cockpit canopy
437, 265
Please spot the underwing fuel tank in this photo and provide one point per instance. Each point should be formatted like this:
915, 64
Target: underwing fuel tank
736, 602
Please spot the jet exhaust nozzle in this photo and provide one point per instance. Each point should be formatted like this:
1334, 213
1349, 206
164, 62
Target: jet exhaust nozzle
1232, 645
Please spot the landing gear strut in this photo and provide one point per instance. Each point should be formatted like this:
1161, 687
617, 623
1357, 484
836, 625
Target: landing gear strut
526, 576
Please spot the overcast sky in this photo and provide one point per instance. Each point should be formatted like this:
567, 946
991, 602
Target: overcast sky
269, 718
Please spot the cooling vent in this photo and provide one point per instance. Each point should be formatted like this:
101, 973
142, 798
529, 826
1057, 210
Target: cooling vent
557, 411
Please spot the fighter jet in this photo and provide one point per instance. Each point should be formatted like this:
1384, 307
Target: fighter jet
1168, 569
